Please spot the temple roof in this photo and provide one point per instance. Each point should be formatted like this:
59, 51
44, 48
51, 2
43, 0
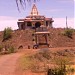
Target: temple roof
34, 16
34, 11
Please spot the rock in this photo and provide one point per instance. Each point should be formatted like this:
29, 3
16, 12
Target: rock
20, 47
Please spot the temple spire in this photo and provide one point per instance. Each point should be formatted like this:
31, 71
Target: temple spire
34, 11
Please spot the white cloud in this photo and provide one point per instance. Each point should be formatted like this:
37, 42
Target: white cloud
61, 22
7, 18
12, 22
6, 21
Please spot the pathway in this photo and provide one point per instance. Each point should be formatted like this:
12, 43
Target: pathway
8, 63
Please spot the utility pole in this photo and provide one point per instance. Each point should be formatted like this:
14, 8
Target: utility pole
66, 22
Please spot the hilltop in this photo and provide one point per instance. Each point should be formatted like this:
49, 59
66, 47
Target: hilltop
23, 38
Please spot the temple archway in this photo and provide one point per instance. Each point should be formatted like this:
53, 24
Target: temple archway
23, 26
37, 24
29, 24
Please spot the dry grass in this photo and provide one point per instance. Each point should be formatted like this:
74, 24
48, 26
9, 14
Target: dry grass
38, 62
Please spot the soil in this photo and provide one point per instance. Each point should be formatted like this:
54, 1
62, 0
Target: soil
20, 71
24, 38
21, 39
9, 62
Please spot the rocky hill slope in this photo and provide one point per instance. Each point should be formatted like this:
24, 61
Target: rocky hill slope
23, 38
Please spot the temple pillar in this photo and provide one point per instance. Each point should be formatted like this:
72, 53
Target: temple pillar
44, 22
19, 25
50, 24
25, 24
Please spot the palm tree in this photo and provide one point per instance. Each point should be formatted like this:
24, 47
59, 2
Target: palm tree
23, 3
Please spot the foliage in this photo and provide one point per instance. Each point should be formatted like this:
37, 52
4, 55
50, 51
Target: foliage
11, 49
44, 53
61, 70
42, 60
7, 33
68, 32
32, 62
1, 48
25, 63
6, 49
56, 71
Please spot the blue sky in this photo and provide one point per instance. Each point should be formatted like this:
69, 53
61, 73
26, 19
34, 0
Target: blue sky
58, 9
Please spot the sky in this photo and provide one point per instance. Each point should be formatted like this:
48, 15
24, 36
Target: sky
56, 9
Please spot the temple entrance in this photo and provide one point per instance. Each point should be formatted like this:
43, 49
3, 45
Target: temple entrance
46, 23
29, 24
22, 26
37, 24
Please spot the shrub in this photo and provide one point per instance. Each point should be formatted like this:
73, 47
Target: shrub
1, 48
11, 49
6, 49
43, 54
7, 33
57, 71
68, 33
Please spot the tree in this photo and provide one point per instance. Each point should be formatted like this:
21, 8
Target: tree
7, 33
23, 2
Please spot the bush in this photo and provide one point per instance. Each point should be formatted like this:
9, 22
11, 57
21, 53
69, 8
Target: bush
57, 71
7, 33
43, 54
68, 33
11, 49
7, 49
1, 48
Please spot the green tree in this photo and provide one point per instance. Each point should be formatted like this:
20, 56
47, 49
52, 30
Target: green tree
68, 32
7, 33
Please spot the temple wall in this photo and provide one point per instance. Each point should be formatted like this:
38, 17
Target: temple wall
24, 25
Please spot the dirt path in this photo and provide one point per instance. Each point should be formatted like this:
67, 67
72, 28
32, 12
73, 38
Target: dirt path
8, 63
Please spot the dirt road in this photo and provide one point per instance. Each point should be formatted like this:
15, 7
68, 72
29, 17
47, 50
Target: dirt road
8, 63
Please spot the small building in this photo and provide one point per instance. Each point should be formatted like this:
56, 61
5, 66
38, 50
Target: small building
34, 20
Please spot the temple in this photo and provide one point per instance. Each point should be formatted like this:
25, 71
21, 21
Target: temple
34, 20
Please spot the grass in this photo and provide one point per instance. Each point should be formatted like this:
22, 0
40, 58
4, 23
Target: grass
26, 63
29, 63
68, 32
40, 61
33, 62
